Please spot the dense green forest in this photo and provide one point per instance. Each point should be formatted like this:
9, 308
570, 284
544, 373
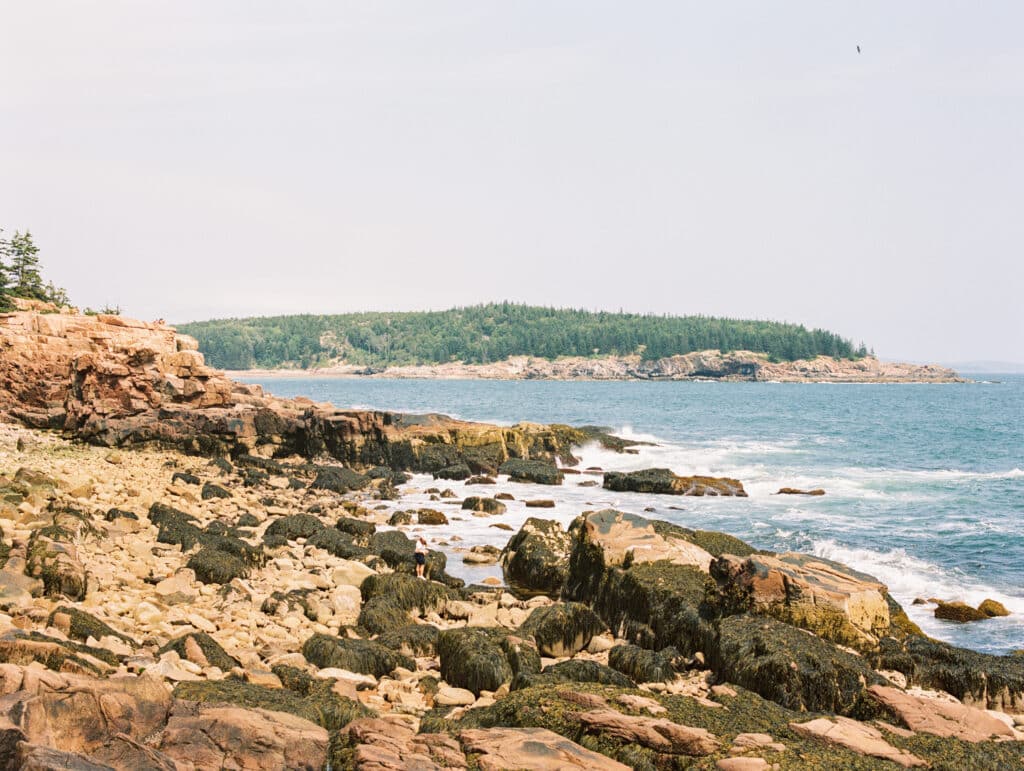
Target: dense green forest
489, 333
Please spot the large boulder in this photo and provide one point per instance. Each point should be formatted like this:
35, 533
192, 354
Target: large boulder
55, 560
483, 505
366, 656
977, 679
791, 667
536, 559
658, 734
472, 659
339, 479
391, 599
814, 593
940, 716
235, 737
102, 719
647, 666
535, 471
617, 538
562, 630
663, 482
532, 748
646, 579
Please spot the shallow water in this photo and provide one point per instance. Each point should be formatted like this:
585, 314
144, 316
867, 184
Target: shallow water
925, 482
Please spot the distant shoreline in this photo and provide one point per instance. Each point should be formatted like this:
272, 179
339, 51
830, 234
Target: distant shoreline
704, 366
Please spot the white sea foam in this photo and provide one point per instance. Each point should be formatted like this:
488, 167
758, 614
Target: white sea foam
910, 577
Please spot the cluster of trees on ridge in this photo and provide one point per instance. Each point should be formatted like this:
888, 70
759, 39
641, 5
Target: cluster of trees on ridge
493, 332
20, 274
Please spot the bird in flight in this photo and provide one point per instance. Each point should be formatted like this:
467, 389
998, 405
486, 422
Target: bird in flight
858, 49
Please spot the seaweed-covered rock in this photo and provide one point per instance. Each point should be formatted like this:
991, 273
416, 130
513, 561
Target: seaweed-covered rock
535, 471
201, 649
54, 559
411, 640
189, 479
210, 490
339, 479
291, 527
652, 604
791, 667
337, 543
390, 598
978, 679
115, 514
572, 671
647, 666
400, 518
612, 538
536, 559
484, 505
960, 612
431, 517
993, 608
247, 520
471, 659
522, 655
398, 550
359, 528
562, 630
480, 480
662, 481
454, 473
18, 647
814, 593
319, 705
79, 625
213, 566
366, 656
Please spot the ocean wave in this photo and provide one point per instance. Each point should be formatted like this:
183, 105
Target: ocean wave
909, 577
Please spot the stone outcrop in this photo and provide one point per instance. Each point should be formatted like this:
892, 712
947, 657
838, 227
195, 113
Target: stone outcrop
941, 717
862, 739
825, 597
233, 737
616, 536
535, 749
536, 559
662, 481
118, 381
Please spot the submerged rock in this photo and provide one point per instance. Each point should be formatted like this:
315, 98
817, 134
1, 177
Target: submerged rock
484, 505
663, 482
959, 611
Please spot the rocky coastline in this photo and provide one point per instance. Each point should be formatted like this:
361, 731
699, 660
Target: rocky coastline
195, 575
737, 366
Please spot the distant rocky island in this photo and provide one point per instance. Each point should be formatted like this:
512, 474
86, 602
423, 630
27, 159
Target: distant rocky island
507, 341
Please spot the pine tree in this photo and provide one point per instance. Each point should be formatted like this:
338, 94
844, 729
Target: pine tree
5, 300
24, 267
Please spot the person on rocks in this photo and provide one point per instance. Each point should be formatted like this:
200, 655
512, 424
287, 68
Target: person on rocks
421, 557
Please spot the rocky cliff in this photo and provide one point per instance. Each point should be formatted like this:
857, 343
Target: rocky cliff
116, 381
702, 365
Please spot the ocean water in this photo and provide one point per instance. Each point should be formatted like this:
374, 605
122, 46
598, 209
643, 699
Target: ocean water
925, 482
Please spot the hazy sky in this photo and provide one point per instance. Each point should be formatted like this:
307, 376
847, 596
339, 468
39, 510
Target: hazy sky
202, 159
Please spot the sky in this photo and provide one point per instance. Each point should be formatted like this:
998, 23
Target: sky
194, 159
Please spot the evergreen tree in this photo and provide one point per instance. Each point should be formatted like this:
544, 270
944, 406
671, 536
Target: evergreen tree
24, 267
5, 300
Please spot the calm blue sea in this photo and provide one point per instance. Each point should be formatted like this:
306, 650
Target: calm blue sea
925, 482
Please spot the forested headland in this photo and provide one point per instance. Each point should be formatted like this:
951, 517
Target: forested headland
493, 332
